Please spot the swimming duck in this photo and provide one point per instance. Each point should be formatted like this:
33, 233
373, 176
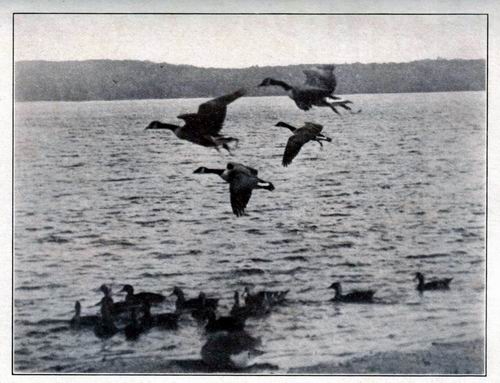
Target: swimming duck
167, 321
203, 127
230, 350
195, 303
309, 132
105, 327
305, 97
224, 323
140, 298
355, 296
77, 321
116, 308
242, 181
253, 309
438, 284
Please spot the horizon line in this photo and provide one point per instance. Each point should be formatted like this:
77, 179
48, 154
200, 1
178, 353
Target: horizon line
252, 66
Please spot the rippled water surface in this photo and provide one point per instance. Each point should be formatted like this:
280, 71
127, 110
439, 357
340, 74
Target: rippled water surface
400, 189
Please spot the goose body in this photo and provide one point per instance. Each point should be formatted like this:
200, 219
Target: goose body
230, 350
140, 298
224, 323
242, 181
105, 327
322, 77
356, 296
305, 97
134, 329
203, 128
309, 132
438, 284
167, 321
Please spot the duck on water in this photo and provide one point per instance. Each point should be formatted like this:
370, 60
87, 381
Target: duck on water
437, 284
356, 296
242, 181
82, 321
140, 298
203, 128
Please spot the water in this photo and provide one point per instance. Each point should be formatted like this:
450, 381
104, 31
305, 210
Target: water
400, 189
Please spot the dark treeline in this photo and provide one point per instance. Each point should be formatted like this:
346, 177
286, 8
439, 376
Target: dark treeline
119, 80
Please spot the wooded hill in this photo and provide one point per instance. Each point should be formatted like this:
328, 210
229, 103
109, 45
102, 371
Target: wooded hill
126, 79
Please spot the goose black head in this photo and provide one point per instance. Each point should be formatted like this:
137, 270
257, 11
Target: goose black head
335, 285
201, 170
78, 307
128, 289
105, 290
267, 82
230, 166
177, 291
419, 276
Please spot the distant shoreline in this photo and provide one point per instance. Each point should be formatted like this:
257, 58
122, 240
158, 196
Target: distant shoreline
250, 96
126, 79
453, 358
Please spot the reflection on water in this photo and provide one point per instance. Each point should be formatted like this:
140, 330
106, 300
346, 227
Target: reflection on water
400, 189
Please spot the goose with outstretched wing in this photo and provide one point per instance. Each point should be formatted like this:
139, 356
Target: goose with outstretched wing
203, 128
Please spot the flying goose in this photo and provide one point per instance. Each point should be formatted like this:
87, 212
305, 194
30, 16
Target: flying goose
355, 296
305, 97
242, 180
139, 298
438, 284
309, 132
203, 128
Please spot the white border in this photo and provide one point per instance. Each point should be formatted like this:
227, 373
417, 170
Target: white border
491, 7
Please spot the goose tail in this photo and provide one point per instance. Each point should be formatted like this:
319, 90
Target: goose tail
265, 185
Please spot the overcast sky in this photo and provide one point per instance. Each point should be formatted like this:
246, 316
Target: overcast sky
242, 41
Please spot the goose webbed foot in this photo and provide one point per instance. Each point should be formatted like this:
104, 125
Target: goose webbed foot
335, 110
226, 146
320, 143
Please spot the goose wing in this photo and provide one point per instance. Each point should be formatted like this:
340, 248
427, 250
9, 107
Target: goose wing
292, 148
299, 138
211, 114
240, 190
322, 77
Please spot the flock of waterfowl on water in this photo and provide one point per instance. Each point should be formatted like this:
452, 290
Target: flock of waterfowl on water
229, 346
